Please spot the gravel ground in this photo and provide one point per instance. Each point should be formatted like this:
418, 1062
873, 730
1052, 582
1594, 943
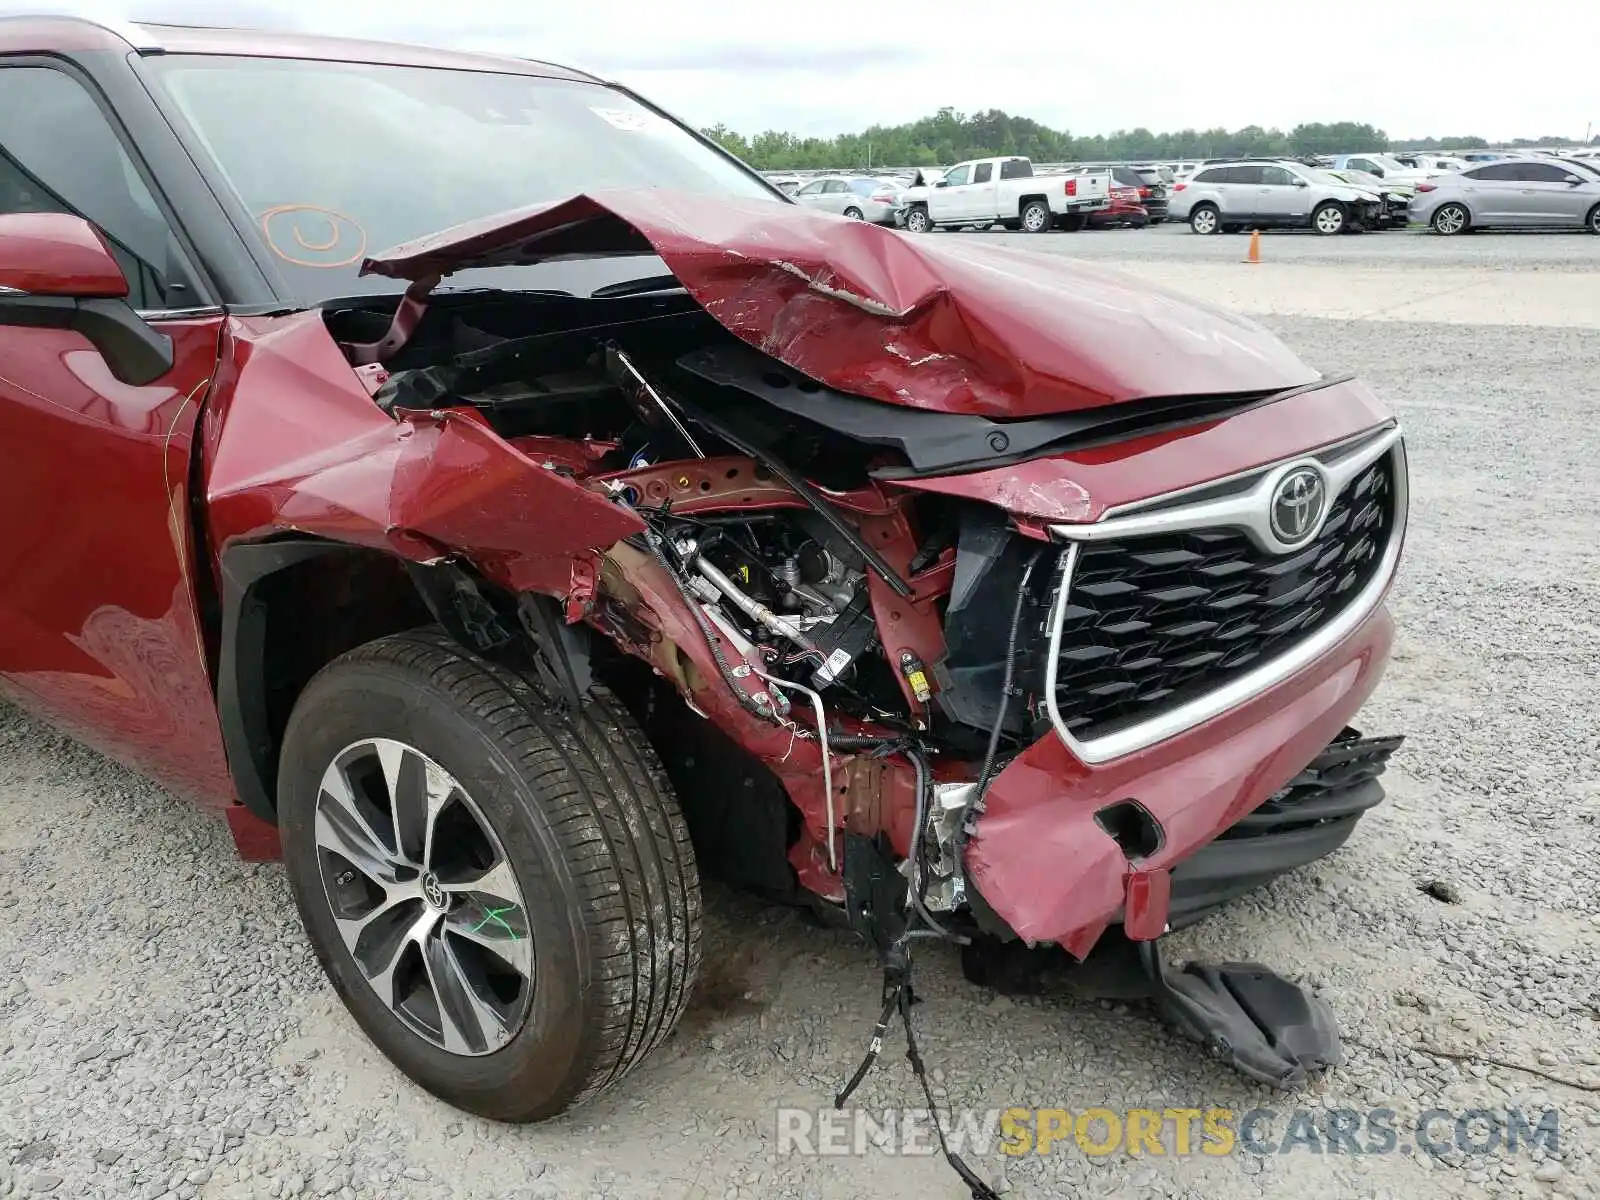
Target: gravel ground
164, 1029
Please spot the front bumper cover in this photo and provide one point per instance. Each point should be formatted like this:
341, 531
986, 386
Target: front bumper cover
1045, 861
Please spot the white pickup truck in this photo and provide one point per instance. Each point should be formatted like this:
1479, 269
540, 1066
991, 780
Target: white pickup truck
1005, 191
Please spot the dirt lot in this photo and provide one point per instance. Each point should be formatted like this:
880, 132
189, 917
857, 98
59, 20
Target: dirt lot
164, 1029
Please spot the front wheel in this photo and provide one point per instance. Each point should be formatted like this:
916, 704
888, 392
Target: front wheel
853, 213
1205, 220
1036, 217
1329, 219
1450, 219
1593, 219
917, 221
504, 897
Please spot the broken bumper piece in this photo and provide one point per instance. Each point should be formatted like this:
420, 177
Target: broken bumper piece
1249, 1017
1221, 807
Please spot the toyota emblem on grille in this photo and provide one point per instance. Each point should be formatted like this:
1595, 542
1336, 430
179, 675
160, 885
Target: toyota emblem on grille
1297, 505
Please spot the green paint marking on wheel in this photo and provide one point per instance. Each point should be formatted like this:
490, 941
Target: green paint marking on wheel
493, 914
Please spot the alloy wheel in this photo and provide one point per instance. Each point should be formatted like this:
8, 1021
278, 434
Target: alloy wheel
917, 221
1450, 219
424, 897
1204, 221
1329, 219
1034, 218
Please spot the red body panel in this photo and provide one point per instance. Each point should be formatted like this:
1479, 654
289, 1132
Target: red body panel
1079, 486
295, 443
1043, 863
53, 254
98, 627
950, 324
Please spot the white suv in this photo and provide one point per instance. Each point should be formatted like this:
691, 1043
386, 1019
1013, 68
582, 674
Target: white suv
1222, 197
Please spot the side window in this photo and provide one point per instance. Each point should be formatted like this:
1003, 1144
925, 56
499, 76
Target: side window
1362, 164
58, 153
958, 176
811, 189
1493, 171
1251, 175
1211, 175
1277, 176
1016, 168
1544, 173
981, 172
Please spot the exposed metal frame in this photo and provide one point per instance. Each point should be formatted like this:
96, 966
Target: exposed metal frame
1245, 510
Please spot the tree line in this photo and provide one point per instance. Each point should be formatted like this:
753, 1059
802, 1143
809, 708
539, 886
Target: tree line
948, 136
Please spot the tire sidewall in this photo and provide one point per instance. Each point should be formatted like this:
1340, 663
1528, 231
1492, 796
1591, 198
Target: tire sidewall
1039, 207
854, 214
918, 216
543, 1061
1593, 219
1329, 206
1216, 220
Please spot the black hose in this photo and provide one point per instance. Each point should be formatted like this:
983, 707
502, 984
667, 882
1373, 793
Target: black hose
919, 764
986, 776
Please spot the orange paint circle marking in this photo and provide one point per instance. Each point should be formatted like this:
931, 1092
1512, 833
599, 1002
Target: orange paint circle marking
336, 234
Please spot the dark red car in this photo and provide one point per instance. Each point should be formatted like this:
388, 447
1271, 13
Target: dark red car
1125, 209
641, 522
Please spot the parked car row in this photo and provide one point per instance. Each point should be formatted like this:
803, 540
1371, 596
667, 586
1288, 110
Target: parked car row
1328, 194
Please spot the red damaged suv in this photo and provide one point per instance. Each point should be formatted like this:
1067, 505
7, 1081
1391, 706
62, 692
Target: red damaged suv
502, 503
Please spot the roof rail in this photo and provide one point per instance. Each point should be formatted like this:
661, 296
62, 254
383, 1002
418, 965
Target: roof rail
136, 35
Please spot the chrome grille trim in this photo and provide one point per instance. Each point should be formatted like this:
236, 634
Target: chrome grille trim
1229, 512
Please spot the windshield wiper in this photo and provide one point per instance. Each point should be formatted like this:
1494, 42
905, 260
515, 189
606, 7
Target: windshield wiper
637, 287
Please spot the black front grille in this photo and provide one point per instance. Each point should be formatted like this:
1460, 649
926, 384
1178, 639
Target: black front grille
1151, 623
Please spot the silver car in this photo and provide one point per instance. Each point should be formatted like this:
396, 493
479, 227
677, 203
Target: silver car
1512, 193
857, 197
1220, 197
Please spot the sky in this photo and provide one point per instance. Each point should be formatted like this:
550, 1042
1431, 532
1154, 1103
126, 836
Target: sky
822, 67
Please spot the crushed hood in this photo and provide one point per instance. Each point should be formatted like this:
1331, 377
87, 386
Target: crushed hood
940, 322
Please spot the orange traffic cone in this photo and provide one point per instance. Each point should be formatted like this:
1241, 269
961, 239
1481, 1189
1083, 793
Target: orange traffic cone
1255, 247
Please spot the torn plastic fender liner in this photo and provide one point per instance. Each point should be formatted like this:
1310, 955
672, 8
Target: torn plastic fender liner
1045, 866
946, 324
315, 456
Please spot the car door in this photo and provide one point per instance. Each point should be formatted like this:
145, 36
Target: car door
99, 628
1494, 194
1554, 195
1241, 193
836, 195
946, 199
981, 194
811, 194
1280, 199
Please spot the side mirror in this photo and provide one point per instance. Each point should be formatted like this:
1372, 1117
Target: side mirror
1378, 171
56, 272
1574, 180
942, 183
1300, 182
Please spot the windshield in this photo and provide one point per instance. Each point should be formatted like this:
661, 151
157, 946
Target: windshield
336, 161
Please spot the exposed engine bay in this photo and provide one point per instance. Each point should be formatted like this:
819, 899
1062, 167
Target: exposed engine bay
782, 530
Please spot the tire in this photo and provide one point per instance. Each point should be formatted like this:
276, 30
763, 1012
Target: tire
1593, 219
1329, 218
1450, 219
1011, 226
853, 213
1036, 217
571, 816
1075, 222
918, 221
1205, 220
